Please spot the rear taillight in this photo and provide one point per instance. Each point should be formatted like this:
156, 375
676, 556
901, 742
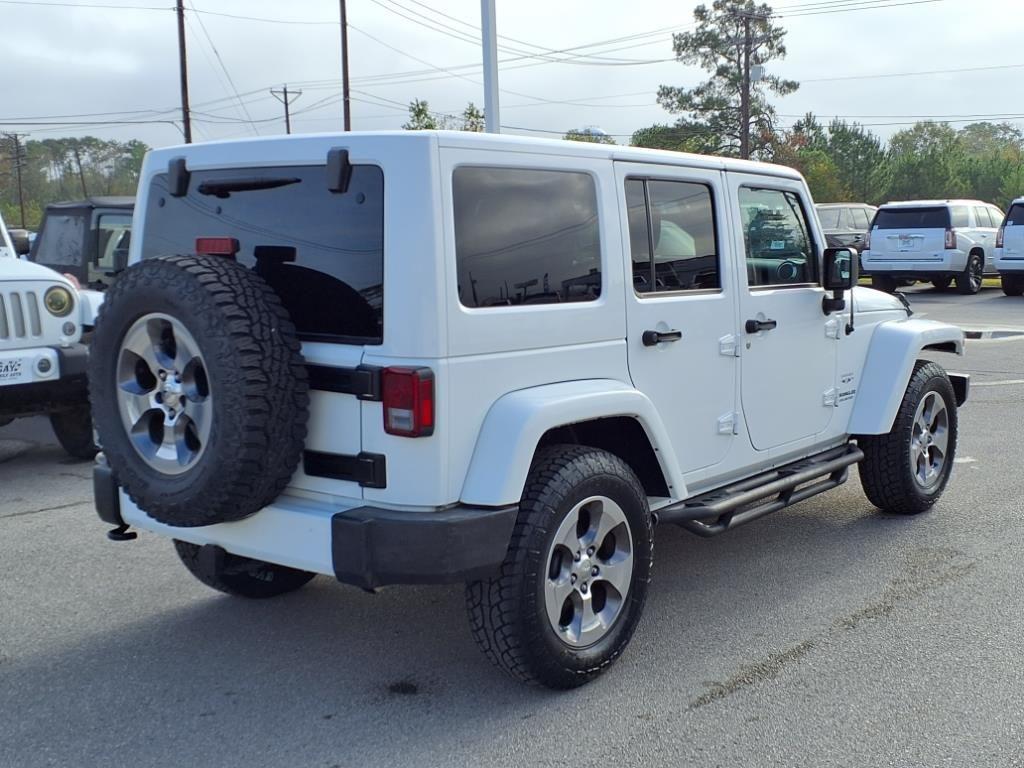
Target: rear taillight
867, 240
408, 396
950, 238
216, 246
999, 237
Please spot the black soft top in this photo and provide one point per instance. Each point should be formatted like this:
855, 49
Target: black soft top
125, 202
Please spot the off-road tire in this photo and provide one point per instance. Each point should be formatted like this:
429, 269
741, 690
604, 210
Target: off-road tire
885, 472
1013, 285
73, 429
942, 283
257, 380
241, 576
506, 612
969, 281
883, 283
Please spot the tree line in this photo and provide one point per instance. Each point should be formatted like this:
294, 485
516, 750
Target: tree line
64, 169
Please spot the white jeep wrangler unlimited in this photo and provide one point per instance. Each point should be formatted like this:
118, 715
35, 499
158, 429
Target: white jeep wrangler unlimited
42, 358
443, 357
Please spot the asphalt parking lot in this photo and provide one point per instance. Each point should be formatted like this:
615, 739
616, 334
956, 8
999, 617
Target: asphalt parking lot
828, 634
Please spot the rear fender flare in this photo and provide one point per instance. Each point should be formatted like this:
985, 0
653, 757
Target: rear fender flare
517, 421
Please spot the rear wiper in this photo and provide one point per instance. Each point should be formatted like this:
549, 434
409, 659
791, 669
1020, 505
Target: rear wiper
225, 187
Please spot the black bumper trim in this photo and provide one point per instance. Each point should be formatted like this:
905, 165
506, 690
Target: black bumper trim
105, 492
372, 547
961, 386
73, 360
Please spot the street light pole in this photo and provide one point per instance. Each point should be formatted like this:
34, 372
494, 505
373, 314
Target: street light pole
488, 28
344, 68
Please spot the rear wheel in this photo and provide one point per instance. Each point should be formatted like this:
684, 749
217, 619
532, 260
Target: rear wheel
239, 576
573, 584
1013, 285
942, 283
73, 429
883, 283
905, 471
968, 282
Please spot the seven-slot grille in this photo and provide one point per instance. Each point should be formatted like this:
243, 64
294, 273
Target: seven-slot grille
19, 315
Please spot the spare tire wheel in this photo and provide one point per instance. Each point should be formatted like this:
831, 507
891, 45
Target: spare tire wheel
199, 389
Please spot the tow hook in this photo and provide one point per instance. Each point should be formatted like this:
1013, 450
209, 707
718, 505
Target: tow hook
121, 533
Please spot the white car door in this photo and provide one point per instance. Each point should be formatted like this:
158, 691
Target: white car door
681, 308
788, 389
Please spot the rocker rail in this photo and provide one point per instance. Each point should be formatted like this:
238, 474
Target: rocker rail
718, 511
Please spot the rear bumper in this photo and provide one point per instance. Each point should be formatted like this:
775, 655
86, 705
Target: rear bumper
360, 545
64, 387
914, 265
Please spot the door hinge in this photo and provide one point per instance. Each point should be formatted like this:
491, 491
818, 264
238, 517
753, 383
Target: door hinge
832, 328
829, 398
729, 346
728, 424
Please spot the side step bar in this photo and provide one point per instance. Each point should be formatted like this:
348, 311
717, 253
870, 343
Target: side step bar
722, 510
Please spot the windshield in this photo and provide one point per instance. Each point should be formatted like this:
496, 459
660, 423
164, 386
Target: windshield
321, 252
911, 218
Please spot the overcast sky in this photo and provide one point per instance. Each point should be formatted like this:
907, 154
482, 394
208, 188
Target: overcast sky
72, 61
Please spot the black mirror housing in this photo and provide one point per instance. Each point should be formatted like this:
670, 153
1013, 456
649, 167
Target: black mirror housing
840, 269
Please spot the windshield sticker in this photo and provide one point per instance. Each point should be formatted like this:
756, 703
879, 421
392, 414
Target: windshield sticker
778, 245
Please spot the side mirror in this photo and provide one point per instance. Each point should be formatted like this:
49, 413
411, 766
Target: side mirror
19, 237
840, 269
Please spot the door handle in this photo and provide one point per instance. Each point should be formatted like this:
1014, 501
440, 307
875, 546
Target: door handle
653, 338
753, 326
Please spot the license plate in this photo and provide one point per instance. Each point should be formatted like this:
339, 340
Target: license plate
15, 370
906, 242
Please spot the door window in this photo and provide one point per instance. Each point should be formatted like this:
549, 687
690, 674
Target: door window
779, 247
114, 231
672, 236
981, 216
860, 219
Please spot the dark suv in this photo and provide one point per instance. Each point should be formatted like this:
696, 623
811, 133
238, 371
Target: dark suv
846, 224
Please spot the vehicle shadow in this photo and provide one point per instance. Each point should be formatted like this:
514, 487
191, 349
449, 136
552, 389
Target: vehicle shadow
331, 671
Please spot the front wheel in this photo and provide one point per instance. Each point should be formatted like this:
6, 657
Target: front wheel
905, 471
74, 431
942, 283
240, 576
572, 588
1013, 285
968, 282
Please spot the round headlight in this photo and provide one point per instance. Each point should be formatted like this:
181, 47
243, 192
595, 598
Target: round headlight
58, 301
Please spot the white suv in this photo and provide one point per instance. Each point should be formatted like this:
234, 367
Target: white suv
42, 359
1009, 258
422, 357
934, 240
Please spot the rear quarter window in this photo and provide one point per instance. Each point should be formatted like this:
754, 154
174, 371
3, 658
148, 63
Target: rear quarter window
912, 218
322, 252
525, 236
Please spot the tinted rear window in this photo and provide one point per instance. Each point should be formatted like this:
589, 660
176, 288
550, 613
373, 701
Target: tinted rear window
1015, 217
323, 253
525, 236
911, 218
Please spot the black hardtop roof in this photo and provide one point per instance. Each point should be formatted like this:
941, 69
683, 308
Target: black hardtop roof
126, 202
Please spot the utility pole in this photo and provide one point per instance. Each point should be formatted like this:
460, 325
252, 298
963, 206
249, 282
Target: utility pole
186, 118
489, 34
286, 97
745, 93
344, 68
18, 160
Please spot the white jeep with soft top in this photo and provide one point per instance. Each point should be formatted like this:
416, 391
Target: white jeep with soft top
42, 357
421, 357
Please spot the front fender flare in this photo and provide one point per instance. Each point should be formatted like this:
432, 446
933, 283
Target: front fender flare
515, 424
895, 347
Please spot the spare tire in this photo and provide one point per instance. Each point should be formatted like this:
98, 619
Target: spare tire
199, 390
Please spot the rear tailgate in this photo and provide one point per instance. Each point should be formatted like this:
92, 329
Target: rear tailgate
323, 255
911, 234
1013, 234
